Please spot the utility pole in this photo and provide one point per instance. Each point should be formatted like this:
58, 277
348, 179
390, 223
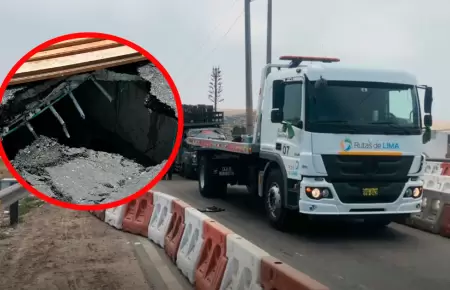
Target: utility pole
269, 33
248, 69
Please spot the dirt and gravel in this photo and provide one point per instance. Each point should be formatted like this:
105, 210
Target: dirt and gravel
80, 175
57, 248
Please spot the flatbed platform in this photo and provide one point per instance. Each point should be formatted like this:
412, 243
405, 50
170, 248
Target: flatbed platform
228, 146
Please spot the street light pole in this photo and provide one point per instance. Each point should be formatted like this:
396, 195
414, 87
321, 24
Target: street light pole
248, 69
269, 33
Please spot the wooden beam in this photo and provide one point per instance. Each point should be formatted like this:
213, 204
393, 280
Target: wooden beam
71, 42
75, 49
61, 63
65, 72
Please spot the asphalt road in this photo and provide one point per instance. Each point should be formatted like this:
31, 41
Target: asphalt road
342, 256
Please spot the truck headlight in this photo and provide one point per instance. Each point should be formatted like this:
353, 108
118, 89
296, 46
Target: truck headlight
417, 192
318, 192
414, 192
315, 193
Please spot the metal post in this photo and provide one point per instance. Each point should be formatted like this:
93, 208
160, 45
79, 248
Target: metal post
14, 213
248, 69
269, 34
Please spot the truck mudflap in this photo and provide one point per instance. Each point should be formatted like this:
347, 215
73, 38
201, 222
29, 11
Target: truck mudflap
332, 205
228, 146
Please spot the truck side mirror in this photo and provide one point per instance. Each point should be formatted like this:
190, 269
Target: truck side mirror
276, 115
428, 120
278, 94
428, 100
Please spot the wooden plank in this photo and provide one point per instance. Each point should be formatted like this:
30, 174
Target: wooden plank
71, 42
82, 59
76, 49
76, 70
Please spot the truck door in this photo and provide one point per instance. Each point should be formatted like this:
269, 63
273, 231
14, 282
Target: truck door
283, 136
289, 133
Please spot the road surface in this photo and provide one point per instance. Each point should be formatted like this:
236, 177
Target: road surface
341, 256
56, 248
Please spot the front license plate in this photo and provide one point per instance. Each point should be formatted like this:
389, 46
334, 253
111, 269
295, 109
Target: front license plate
370, 191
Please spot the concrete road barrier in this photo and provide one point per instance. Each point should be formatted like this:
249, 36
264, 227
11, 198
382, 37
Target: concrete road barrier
211, 256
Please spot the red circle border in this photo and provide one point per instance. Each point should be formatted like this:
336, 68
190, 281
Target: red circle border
171, 158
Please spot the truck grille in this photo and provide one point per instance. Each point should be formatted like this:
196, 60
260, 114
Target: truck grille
352, 168
349, 174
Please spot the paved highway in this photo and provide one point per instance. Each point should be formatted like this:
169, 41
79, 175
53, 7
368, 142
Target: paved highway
341, 256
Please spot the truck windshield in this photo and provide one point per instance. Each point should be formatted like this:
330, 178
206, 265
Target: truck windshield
362, 107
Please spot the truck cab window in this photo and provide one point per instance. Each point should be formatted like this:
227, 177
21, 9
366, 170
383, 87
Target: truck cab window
292, 107
401, 106
365, 107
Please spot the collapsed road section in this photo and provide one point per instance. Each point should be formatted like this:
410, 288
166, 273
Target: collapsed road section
93, 137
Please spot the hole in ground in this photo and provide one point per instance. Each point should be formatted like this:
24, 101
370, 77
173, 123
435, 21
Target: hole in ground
123, 127
120, 127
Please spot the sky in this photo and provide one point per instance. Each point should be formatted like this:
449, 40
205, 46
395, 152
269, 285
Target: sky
190, 37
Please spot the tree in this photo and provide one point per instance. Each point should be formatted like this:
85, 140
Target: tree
215, 87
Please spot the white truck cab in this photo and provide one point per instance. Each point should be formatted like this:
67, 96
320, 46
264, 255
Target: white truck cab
331, 140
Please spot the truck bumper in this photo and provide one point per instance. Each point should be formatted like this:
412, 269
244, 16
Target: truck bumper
333, 206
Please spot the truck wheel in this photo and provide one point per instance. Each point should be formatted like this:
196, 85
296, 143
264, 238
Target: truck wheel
277, 214
210, 186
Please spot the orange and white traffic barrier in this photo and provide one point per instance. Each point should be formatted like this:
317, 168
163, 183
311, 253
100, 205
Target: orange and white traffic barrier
176, 229
162, 214
114, 216
192, 242
277, 275
243, 269
213, 256
210, 255
137, 215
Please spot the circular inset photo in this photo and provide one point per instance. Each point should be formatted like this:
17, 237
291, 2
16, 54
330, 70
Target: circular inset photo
89, 121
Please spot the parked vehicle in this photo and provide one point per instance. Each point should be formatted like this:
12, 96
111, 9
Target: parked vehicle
188, 161
328, 141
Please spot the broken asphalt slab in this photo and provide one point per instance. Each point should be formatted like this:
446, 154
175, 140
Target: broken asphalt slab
80, 175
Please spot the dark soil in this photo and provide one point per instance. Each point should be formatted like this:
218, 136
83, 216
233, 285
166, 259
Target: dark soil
80, 175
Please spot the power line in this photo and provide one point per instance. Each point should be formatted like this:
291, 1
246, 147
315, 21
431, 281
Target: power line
210, 35
228, 31
224, 36
214, 29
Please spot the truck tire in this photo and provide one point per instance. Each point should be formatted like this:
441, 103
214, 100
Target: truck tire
279, 216
210, 186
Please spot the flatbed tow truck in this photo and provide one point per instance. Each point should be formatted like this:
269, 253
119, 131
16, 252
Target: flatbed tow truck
328, 141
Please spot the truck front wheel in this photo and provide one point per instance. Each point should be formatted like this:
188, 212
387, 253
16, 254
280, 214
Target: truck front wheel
278, 215
209, 185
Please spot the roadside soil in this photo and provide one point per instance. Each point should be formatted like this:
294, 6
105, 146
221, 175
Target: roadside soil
57, 248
